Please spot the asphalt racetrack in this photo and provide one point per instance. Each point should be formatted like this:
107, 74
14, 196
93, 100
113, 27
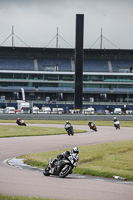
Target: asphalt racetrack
22, 182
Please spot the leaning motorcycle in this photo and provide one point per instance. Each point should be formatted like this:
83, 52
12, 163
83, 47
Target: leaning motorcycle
61, 168
69, 129
93, 127
117, 125
21, 123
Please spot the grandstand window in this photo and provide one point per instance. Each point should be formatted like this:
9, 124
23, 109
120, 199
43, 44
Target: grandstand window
95, 78
35, 76
66, 77
118, 78
5, 84
66, 85
85, 78
29, 84
36, 85
126, 78
20, 76
125, 86
6, 76
19, 84
51, 77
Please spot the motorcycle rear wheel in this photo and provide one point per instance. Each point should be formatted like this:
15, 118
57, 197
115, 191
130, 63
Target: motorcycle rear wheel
67, 169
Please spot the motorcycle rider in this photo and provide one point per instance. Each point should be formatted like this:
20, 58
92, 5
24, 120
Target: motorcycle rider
115, 119
90, 123
68, 125
66, 154
116, 123
19, 121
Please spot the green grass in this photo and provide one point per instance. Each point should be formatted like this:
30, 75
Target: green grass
103, 160
19, 131
74, 122
5, 197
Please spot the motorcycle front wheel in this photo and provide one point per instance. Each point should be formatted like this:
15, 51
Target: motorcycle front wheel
68, 133
46, 171
72, 132
67, 169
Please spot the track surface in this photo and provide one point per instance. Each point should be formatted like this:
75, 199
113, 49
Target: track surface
14, 181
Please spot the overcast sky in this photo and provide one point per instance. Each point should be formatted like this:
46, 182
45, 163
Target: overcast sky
36, 21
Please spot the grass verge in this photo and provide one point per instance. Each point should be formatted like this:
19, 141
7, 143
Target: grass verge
19, 131
5, 197
103, 160
74, 122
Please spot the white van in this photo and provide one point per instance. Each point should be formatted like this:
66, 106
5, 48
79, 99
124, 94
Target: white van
57, 111
118, 111
45, 110
35, 110
23, 106
2, 111
89, 111
60, 111
9, 110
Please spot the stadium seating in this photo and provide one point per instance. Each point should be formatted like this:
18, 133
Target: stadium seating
121, 65
16, 64
95, 66
54, 64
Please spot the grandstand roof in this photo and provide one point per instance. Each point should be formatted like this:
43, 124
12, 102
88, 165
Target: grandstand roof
32, 52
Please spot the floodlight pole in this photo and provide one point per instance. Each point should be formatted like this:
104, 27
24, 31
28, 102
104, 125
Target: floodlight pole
12, 36
101, 40
57, 39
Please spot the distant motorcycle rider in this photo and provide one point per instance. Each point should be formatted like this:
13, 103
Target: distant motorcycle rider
67, 124
115, 119
116, 123
89, 123
65, 155
20, 122
69, 128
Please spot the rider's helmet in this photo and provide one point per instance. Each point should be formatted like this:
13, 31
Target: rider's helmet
17, 118
76, 150
67, 122
114, 117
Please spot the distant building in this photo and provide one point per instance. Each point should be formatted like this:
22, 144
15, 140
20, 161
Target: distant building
49, 72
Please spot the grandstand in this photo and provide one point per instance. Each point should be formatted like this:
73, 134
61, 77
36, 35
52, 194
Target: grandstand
49, 72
